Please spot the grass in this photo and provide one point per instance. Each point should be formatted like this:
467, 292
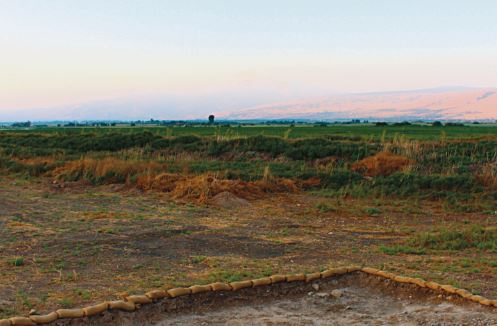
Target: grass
474, 237
458, 239
415, 131
18, 261
399, 249
131, 208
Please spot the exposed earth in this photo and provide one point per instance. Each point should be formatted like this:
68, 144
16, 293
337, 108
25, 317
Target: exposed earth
352, 299
79, 245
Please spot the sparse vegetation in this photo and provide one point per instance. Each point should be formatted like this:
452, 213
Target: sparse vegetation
102, 211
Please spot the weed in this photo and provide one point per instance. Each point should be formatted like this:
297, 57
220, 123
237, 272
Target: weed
198, 259
372, 211
66, 303
18, 261
325, 207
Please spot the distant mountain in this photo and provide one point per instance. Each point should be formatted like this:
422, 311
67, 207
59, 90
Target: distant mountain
456, 103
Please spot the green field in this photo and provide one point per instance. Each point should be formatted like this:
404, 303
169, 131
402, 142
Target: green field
366, 131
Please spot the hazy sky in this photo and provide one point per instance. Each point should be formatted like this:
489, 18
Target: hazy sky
56, 53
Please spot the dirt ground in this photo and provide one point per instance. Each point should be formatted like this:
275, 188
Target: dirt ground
356, 306
352, 299
80, 245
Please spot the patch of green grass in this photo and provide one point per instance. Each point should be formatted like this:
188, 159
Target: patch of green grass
66, 303
372, 211
6, 312
24, 298
399, 249
325, 207
18, 261
84, 294
458, 239
230, 276
198, 259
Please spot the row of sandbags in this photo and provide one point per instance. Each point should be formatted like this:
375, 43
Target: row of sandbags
133, 302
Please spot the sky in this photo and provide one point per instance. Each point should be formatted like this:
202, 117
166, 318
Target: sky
190, 56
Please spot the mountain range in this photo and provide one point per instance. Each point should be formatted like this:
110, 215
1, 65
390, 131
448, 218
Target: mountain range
450, 103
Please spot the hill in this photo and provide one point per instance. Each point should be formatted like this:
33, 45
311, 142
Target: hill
429, 104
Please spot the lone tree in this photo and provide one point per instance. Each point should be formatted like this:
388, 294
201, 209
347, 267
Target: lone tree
211, 119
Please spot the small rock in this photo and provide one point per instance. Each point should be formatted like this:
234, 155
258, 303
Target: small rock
310, 294
33, 312
322, 294
337, 293
315, 286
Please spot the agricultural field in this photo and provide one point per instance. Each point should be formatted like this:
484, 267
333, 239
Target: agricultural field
91, 214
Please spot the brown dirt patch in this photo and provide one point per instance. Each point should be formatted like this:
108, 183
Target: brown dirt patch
364, 300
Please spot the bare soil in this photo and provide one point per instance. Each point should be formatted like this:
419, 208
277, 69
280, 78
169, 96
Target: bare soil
82, 245
362, 300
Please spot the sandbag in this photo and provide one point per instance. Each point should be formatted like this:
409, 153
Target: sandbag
140, 299
156, 294
333, 272
433, 285
464, 293
122, 305
219, 286
295, 277
370, 270
200, 288
353, 268
21, 321
44, 319
178, 292
70, 313
449, 288
402, 279
96, 309
419, 282
241, 285
261, 282
277, 278
312, 277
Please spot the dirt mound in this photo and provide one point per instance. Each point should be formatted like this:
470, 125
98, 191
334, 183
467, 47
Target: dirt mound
204, 187
151, 176
227, 200
383, 163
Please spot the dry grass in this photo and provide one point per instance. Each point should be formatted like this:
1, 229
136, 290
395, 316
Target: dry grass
383, 163
150, 176
202, 188
109, 169
488, 175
